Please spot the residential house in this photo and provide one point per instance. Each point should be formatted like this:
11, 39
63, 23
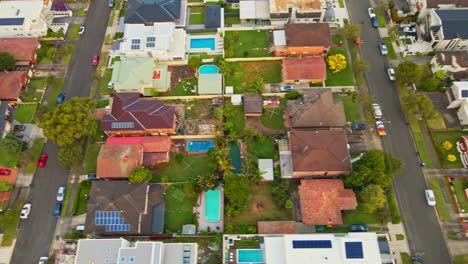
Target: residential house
254, 11
453, 63
323, 200
131, 115
117, 161
155, 149
457, 95
6, 123
445, 29
304, 70
319, 153
210, 83
121, 208
462, 147
302, 40
315, 109
22, 49
423, 6
141, 252
140, 75
265, 167
22, 19
155, 11
214, 17
160, 41
296, 11
11, 84
253, 104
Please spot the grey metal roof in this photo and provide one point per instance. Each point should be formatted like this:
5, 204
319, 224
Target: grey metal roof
213, 16
454, 23
157, 219
147, 11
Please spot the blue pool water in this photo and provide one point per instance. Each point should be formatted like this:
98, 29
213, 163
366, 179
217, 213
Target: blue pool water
202, 43
199, 145
212, 205
235, 156
250, 256
209, 68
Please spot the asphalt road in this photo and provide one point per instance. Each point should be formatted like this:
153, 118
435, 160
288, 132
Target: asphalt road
36, 233
420, 220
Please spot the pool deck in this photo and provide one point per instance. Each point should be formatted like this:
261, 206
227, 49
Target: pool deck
200, 213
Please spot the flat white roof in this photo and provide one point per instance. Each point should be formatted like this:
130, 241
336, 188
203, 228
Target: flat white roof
21, 9
259, 9
265, 166
279, 37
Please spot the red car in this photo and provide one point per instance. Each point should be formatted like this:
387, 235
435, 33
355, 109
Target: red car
95, 60
5, 172
42, 160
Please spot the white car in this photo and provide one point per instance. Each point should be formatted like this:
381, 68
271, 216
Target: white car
43, 260
60, 193
81, 31
377, 111
25, 211
371, 12
430, 197
383, 48
391, 74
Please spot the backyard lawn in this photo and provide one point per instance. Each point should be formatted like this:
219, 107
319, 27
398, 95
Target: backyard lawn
237, 118
36, 150
343, 78
184, 87
56, 86
273, 118
178, 209
81, 199
264, 149
243, 72
229, 21
197, 109
440, 201
352, 109
246, 44
452, 136
90, 158
260, 206
73, 31
197, 15
25, 112
459, 186
391, 51
359, 216
33, 92
184, 170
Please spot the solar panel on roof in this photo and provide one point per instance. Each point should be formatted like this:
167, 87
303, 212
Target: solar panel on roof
11, 21
354, 250
311, 243
464, 93
122, 125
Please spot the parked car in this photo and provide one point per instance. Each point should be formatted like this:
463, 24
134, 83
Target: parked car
92, 177
81, 31
371, 12
416, 260
5, 172
25, 211
380, 128
60, 98
391, 74
286, 88
359, 228
377, 111
95, 60
18, 134
383, 48
375, 22
43, 260
358, 126
430, 198
42, 160
110, 3
57, 209
61, 193
19, 127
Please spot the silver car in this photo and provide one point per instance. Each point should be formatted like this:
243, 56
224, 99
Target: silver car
286, 88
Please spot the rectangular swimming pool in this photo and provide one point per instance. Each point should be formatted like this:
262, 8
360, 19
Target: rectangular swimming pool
202, 43
212, 205
199, 145
250, 256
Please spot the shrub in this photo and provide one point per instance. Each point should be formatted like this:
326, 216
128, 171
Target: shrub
336, 63
447, 145
289, 204
179, 157
292, 95
451, 158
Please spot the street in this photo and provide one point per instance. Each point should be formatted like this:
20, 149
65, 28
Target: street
422, 228
35, 234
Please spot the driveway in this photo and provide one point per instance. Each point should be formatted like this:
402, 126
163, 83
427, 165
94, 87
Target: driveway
421, 224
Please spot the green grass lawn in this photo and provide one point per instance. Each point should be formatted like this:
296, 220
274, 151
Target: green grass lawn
273, 118
25, 112
264, 149
243, 72
337, 39
66, 200
183, 88
80, 13
34, 91
182, 171
359, 216
38, 83
102, 103
73, 31
9, 223
461, 259
242, 44
419, 141
179, 209
9, 159
394, 211
380, 18
423, 71
57, 86
229, 21
260, 206
81, 199
37, 150
391, 51
437, 122
405, 258
440, 201
90, 158
104, 90
197, 15
67, 53
238, 119
352, 109
343, 78
460, 193
354, 58
452, 136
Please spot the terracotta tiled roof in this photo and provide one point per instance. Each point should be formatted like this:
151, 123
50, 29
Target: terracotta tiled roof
276, 227
253, 103
152, 158
22, 49
316, 108
129, 112
308, 35
436, 3
323, 200
310, 68
118, 161
321, 150
11, 84
150, 144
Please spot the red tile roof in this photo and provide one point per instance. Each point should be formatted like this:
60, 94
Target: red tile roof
118, 161
276, 227
310, 68
322, 201
151, 158
308, 35
5, 196
22, 49
150, 144
11, 84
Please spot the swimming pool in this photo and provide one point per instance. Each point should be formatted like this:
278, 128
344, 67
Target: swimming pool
202, 43
199, 145
212, 205
235, 156
207, 69
250, 256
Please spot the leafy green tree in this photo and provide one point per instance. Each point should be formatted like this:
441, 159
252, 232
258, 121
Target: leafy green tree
206, 182
194, 62
280, 191
7, 61
236, 190
70, 122
255, 85
70, 155
372, 198
226, 68
292, 95
405, 73
5, 186
140, 174
440, 75
418, 104
9, 144
431, 84
351, 31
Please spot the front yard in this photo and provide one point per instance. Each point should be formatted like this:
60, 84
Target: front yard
179, 209
360, 216
343, 78
459, 186
246, 44
391, 51
351, 107
451, 136
9, 223
73, 31
80, 203
243, 72
441, 206
25, 112
90, 158
181, 171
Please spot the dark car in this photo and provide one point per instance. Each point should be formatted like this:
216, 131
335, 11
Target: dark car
358, 126
60, 98
19, 128
57, 209
359, 228
92, 177
375, 22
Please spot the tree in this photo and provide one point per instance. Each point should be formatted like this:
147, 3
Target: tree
336, 63
393, 33
69, 155
5, 186
372, 198
206, 182
226, 68
236, 190
375, 167
351, 31
255, 85
440, 75
405, 73
418, 104
194, 62
431, 84
70, 122
280, 191
360, 66
292, 95
140, 174
7, 61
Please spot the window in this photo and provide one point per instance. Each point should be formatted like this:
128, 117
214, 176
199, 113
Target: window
135, 47
151, 39
122, 259
150, 45
131, 259
136, 41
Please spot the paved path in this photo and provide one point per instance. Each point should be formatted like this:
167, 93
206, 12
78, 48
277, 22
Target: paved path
397, 246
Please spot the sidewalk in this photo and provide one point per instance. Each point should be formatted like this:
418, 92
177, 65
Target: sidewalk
397, 246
